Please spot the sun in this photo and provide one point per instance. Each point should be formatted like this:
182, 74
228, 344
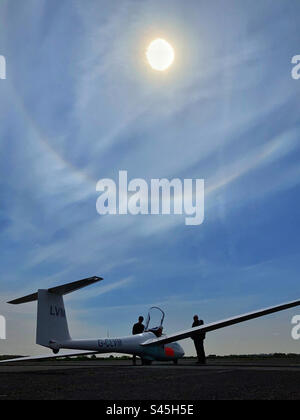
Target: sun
160, 54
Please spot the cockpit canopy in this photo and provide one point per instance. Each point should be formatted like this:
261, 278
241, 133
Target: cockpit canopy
155, 321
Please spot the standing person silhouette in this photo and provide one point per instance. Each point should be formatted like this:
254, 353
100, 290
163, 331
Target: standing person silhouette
198, 339
138, 328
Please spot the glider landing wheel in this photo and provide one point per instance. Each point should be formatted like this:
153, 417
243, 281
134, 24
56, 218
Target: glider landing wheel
55, 351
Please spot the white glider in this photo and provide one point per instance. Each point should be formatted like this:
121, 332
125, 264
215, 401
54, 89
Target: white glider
53, 330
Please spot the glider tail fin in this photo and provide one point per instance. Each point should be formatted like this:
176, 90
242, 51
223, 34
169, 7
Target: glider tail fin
52, 324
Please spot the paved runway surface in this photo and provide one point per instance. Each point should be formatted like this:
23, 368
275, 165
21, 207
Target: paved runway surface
118, 380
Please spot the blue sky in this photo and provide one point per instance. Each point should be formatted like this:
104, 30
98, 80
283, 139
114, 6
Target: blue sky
80, 104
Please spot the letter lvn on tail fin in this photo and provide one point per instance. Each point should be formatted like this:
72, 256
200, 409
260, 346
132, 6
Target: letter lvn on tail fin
52, 324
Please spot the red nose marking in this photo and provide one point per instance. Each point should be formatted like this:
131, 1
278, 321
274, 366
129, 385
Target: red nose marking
169, 352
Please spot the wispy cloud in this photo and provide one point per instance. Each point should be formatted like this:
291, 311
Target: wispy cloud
101, 290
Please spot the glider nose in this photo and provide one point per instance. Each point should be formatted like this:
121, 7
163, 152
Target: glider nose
180, 351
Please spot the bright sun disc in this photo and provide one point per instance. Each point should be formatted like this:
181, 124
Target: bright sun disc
160, 55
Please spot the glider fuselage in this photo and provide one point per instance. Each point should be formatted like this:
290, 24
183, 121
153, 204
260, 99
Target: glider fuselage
126, 345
